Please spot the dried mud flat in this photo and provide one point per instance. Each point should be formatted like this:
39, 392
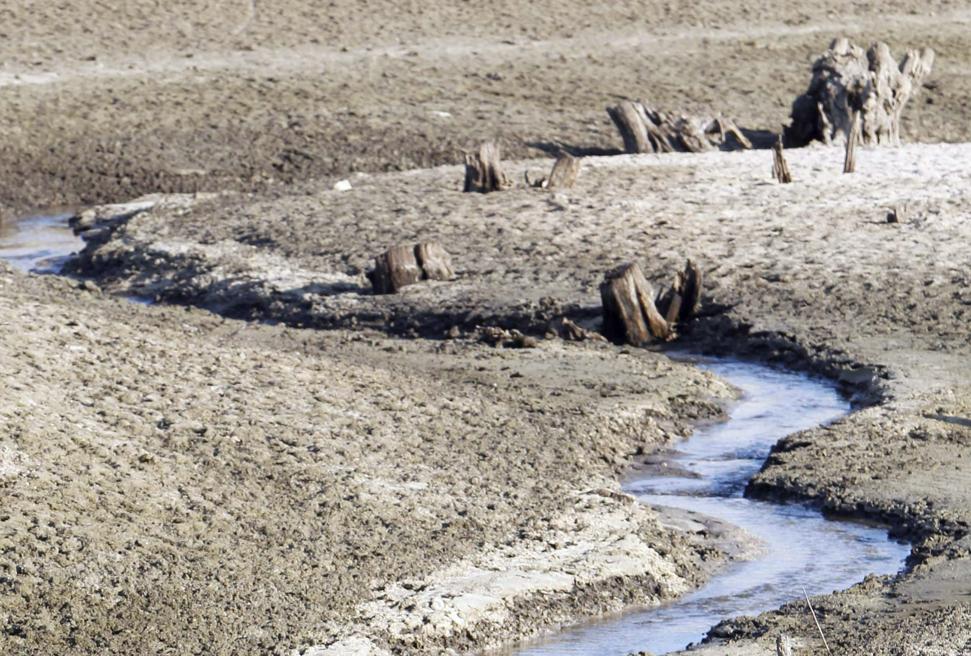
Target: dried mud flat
104, 103
175, 480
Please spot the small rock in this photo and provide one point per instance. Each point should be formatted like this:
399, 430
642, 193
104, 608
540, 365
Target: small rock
343, 185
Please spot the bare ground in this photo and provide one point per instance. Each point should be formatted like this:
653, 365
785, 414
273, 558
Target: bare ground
176, 481
809, 274
101, 105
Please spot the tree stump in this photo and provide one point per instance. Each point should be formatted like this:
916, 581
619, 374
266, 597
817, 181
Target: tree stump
847, 79
780, 168
629, 313
631, 127
401, 266
564, 175
395, 268
647, 130
435, 263
483, 170
681, 301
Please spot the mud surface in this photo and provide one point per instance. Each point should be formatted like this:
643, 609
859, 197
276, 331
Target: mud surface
176, 480
809, 274
103, 103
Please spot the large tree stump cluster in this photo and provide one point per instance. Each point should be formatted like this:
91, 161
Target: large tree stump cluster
401, 266
632, 313
846, 80
647, 130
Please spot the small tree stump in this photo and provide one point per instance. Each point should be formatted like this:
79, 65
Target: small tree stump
681, 301
783, 646
395, 268
401, 266
565, 171
564, 174
435, 263
846, 79
629, 313
780, 168
483, 170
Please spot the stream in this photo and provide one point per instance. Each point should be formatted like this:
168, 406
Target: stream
707, 474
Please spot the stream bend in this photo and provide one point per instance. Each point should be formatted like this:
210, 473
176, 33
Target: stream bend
708, 474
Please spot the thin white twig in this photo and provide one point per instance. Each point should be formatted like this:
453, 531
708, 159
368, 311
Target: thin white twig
816, 620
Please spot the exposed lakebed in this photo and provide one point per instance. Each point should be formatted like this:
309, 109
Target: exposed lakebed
707, 474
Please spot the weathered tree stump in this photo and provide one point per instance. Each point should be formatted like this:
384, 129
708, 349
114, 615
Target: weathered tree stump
681, 301
435, 263
563, 176
401, 266
629, 313
780, 168
631, 127
783, 646
397, 267
483, 170
565, 171
847, 79
647, 130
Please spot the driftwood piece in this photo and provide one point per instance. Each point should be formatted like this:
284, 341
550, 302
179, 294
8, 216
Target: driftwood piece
397, 267
483, 170
564, 174
629, 313
401, 266
846, 79
647, 130
780, 168
849, 160
783, 646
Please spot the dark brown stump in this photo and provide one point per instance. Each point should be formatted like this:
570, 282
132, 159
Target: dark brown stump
629, 313
401, 266
681, 301
780, 168
483, 170
395, 268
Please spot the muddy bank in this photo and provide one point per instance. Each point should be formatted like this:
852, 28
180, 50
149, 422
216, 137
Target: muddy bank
237, 95
176, 481
809, 274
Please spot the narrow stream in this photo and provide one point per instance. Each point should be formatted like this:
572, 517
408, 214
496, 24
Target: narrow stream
39, 244
708, 473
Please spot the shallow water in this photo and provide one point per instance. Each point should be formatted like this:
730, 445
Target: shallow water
41, 244
799, 547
